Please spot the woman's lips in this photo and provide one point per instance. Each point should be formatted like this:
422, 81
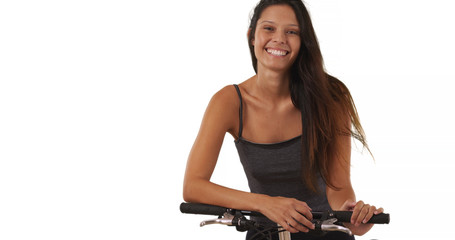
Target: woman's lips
277, 52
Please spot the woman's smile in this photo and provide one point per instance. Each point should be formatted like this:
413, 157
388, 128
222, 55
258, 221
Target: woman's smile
277, 52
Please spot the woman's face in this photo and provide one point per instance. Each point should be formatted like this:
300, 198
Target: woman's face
277, 38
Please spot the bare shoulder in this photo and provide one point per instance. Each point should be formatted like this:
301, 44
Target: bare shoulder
226, 95
225, 99
224, 108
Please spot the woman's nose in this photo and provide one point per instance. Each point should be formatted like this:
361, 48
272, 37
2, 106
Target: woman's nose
279, 37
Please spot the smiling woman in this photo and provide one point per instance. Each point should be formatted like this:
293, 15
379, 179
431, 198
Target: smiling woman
292, 124
276, 39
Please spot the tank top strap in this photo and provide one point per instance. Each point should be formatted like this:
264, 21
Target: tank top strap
240, 110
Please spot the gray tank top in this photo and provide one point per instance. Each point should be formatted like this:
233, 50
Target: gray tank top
275, 169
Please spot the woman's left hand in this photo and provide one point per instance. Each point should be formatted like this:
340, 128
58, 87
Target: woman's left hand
362, 213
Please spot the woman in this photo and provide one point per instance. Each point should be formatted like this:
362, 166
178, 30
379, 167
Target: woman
292, 128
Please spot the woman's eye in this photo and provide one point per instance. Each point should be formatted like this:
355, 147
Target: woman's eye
268, 28
293, 32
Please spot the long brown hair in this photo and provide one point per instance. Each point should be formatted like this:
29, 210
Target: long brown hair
324, 101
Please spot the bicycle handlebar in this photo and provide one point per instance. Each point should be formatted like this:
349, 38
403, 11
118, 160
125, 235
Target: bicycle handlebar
341, 216
324, 221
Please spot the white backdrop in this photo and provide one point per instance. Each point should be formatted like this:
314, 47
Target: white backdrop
100, 102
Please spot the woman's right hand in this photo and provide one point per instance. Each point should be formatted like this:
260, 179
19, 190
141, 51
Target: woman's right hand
292, 214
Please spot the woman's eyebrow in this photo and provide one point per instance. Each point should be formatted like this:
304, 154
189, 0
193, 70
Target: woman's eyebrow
267, 21
272, 22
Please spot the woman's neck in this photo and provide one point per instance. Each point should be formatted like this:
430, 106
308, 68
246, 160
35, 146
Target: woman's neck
271, 85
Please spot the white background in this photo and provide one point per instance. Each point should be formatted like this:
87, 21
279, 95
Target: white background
100, 102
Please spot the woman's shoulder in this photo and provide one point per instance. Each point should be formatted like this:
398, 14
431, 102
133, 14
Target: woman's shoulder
223, 109
225, 97
228, 98
224, 102
226, 92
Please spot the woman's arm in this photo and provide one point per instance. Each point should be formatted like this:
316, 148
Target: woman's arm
221, 116
218, 119
344, 198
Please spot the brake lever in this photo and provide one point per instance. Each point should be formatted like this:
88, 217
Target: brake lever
328, 225
225, 220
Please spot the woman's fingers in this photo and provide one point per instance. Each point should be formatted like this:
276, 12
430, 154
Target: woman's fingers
295, 216
303, 224
295, 227
369, 213
355, 214
378, 211
304, 217
304, 212
287, 226
291, 214
363, 213
297, 224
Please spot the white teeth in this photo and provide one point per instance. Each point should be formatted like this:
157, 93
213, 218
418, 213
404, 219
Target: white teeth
276, 52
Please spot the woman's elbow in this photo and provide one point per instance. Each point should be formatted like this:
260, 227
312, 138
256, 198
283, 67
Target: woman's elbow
187, 197
189, 194
186, 192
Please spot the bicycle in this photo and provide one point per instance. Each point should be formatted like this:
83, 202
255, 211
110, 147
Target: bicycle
324, 221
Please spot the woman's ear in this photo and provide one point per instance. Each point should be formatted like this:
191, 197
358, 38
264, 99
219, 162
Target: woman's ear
248, 36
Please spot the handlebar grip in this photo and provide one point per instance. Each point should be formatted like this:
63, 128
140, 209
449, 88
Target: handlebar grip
345, 216
204, 209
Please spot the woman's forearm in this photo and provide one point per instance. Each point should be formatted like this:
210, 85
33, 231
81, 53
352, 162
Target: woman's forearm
203, 191
290, 213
